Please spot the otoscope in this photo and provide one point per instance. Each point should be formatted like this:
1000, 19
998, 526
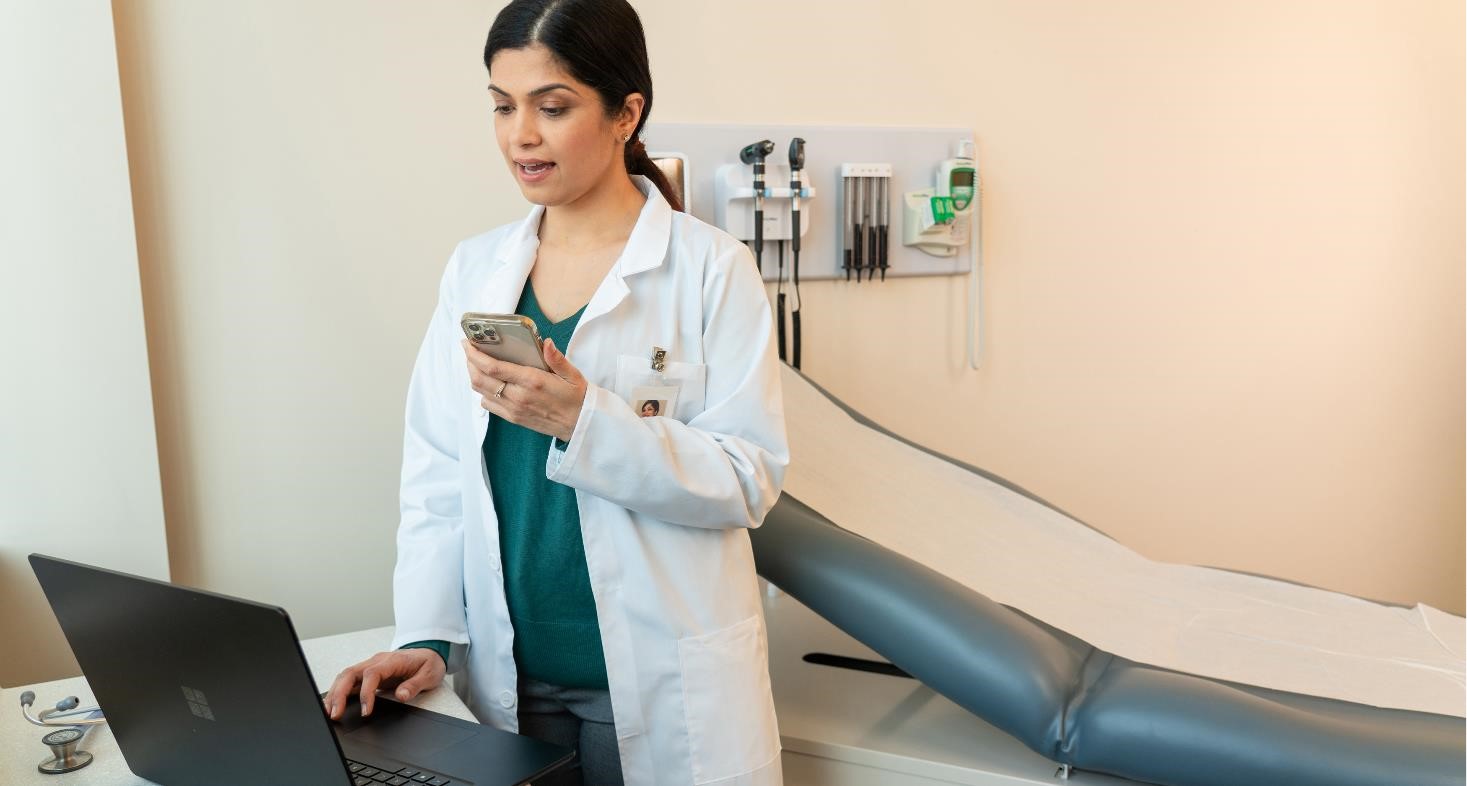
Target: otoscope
754, 154
797, 163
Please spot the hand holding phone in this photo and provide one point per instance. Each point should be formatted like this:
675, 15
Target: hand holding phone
508, 337
547, 400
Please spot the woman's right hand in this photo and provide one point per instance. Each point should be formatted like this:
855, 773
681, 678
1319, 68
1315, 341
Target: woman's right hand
412, 671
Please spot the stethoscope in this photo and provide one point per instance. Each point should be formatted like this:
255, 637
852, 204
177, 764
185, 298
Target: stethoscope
62, 742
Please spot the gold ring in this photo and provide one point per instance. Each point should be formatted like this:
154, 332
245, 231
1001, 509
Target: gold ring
500, 392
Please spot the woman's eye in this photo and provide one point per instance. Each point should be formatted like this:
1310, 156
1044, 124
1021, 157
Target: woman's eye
502, 109
553, 111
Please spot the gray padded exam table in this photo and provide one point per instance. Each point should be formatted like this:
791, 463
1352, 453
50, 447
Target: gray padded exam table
1076, 704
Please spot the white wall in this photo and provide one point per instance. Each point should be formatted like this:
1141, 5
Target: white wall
302, 172
1225, 247
78, 456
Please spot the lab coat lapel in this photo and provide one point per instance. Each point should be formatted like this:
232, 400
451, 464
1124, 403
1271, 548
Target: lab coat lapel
646, 249
503, 287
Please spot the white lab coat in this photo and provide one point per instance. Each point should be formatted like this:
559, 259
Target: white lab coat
665, 503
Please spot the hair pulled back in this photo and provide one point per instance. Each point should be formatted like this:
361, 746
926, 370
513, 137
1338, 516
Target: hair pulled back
601, 44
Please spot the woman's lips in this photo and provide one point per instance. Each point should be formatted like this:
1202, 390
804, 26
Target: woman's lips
534, 173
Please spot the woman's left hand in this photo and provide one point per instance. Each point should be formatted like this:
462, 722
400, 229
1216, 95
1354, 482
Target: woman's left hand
549, 403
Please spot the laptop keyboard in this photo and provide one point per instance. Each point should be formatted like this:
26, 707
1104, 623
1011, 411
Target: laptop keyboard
364, 775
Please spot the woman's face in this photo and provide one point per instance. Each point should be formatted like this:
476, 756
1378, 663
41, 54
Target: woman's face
649, 410
552, 129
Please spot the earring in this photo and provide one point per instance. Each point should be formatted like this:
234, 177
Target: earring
625, 137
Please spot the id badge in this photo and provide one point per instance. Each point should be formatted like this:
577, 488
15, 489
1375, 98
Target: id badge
651, 401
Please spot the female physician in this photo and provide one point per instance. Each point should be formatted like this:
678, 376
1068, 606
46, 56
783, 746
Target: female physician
585, 570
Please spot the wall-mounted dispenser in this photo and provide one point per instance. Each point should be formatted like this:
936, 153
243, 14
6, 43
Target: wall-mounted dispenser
936, 220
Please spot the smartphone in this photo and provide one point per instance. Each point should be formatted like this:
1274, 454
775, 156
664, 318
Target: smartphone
508, 337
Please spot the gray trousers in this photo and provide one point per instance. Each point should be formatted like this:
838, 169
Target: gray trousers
577, 718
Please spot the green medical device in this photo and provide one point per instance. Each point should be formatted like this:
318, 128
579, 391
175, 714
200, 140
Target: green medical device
956, 177
935, 220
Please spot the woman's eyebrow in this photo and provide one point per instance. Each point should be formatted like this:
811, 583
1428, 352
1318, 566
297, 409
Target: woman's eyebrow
539, 90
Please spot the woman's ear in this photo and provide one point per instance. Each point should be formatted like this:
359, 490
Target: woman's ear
631, 111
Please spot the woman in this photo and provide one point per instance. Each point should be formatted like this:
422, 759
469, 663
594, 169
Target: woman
587, 569
650, 408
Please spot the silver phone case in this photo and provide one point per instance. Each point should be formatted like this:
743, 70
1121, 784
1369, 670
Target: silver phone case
508, 337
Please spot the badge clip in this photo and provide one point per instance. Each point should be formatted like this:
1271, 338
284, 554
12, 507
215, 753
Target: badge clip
659, 357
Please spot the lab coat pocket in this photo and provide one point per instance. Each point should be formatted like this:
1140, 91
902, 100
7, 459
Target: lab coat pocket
691, 378
727, 698
633, 372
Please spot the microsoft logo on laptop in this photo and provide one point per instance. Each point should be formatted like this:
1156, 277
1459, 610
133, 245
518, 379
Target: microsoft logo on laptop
197, 703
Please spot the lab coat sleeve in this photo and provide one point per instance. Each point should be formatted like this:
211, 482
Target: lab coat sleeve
427, 583
725, 467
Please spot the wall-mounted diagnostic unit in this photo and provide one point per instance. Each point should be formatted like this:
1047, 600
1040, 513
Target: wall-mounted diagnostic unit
830, 209
837, 176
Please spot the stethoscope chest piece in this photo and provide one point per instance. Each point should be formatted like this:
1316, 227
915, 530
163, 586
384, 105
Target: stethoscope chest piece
64, 755
68, 734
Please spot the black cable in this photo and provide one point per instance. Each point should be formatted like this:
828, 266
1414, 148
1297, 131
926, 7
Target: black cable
779, 301
759, 239
799, 302
797, 191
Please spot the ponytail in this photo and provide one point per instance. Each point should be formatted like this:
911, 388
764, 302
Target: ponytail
639, 163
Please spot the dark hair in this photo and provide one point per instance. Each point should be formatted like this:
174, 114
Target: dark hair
654, 403
600, 42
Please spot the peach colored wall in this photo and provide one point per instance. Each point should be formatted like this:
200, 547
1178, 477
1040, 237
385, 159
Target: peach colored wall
1224, 243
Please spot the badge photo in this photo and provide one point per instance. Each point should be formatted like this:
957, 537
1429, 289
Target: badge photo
652, 401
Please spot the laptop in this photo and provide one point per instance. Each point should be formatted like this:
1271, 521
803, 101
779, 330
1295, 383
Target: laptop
201, 688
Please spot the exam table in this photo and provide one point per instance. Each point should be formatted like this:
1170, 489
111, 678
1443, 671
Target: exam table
1389, 714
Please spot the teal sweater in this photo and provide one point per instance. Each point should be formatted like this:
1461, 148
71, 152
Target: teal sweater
557, 638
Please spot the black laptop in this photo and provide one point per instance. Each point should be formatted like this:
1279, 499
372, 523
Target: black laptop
201, 688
